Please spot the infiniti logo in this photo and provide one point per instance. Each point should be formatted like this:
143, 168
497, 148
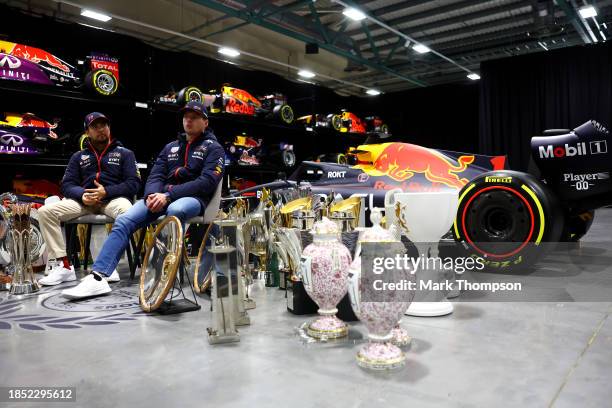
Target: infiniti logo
11, 138
12, 62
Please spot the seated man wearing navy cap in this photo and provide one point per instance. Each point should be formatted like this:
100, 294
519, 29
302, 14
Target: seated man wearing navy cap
102, 178
182, 182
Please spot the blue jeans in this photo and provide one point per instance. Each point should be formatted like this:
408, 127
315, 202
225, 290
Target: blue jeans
137, 217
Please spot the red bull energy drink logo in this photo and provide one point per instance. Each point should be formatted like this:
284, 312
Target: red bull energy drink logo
401, 161
36, 55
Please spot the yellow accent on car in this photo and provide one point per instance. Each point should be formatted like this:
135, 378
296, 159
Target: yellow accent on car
467, 190
540, 212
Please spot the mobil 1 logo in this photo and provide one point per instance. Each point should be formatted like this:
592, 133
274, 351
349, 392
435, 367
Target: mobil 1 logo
583, 182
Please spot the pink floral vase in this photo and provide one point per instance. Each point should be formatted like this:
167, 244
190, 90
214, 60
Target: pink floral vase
380, 318
324, 273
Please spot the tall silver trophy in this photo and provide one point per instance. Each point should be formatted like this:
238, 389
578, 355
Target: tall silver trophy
19, 243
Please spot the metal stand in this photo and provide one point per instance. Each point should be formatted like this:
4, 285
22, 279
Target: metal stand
183, 305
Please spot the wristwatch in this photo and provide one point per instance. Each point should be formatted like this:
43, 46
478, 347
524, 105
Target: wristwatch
168, 197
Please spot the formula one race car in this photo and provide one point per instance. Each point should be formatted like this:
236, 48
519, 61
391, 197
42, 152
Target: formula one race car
504, 216
27, 134
20, 62
319, 120
244, 150
238, 101
346, 122
186, 94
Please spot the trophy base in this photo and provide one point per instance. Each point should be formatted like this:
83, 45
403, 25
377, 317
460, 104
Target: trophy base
327, 327
380, 356
249, 304
430, 309
177, 306
215, 338
243, 320
24, 288
400, 337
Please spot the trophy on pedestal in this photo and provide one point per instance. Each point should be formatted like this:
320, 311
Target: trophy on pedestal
232, 234
223, 328
425, 217
19, 243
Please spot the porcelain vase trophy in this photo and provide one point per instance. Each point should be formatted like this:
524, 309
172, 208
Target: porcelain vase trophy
381, 312
425, 217
19, 240
324, 273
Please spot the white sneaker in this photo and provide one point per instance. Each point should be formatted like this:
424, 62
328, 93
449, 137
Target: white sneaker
114, 277
52, 263
58, 275
89, 286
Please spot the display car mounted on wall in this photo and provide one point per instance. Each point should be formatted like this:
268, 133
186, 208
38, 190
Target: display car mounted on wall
345, 122
509, 218
19, 62
234, 101
27, 134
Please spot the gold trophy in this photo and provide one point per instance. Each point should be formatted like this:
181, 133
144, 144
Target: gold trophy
346, 213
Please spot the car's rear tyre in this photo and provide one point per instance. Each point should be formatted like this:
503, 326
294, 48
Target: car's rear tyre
337, 158
284, 113
188, 94
508, 218
335, 122
102, 81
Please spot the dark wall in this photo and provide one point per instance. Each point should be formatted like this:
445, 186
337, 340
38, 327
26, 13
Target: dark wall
522, 96
444, 116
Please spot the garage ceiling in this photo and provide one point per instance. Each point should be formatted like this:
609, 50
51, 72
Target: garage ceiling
374, 53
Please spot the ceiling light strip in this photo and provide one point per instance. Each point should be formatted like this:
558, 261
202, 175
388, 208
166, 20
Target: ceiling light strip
406, 37
212, 44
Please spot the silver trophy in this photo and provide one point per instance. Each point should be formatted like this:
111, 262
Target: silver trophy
19, 243
223, 328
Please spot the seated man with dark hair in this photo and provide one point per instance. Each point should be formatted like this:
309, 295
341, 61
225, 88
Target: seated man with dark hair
101, 179
182, 182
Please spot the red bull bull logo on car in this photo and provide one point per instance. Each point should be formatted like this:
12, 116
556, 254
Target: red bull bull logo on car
401, 161
36, 55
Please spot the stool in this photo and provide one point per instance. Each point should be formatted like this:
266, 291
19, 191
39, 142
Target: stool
90, 220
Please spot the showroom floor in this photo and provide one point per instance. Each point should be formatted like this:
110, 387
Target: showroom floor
483, 355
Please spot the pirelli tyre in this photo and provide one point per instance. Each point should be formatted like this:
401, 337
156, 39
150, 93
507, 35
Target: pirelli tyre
337, 158
188, 94
284, 113
102, 81
508, 218
335, 121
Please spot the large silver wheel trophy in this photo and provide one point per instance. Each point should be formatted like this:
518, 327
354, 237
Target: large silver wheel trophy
18, 232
